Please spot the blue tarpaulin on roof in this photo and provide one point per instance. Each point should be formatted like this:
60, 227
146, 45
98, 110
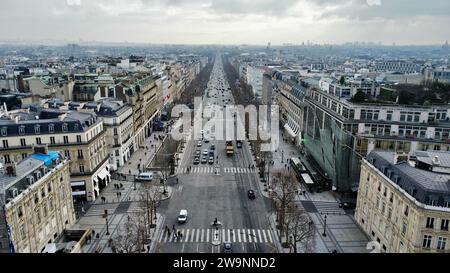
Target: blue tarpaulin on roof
48, 158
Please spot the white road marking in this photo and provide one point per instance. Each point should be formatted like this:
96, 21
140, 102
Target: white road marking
234, 236
270, 236
229, 235
259, 236
203, 231
187, 235
254, 237
192, 235
207, 235
197, 236
223, 234
264, 234
249, 236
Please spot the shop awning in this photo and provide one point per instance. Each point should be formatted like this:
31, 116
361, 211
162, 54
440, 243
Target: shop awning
289, 130
102, 174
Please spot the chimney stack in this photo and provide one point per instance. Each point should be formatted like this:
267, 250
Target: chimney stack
11, 168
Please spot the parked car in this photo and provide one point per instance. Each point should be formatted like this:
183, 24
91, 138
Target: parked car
197, 152
213, 147
347, 205
205, 152
145, 176
251, 194
211, 160
182, 217
199, 143
227, 247
196, 160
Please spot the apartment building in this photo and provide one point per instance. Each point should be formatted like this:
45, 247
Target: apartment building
404, 201
339, 132
50, 86
404, 67
79, 136
35, 202
118, 121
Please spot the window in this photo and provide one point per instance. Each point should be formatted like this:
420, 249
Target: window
81, 168
24, 156
78, 139
23, 232
80, 153
50, 204
64, 127
19, 212
38, 141
23, 142
383, 208
404, 228
44, 210
7, 159
4, 131
389, 214
52, 140
67, 154
66, 139
36, 198
5, 143
447, 204
441, 243
37, 212
37, 129
427, 241
444, 224
21, 130
51, 128
406, 210
430, 222
49, 187
389, 115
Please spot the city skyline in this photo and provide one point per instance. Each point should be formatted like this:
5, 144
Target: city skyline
224, 22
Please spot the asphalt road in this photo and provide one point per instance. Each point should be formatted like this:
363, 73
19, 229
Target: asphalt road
206, 196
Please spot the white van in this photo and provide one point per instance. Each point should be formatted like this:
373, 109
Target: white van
182, 217
145, 176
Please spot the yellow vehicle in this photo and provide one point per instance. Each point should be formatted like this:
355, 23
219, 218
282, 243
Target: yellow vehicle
229, 147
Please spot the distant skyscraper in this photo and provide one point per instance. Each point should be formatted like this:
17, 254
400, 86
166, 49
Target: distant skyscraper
446, 46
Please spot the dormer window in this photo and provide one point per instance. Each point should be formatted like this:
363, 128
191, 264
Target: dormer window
37, 129
4, 131
76, 127
51, 128
21, 130
64, 127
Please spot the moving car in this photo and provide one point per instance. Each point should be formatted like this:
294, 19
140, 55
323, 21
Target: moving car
347, 205
182, 217
238, 143
145, 176
251, 194
227, 247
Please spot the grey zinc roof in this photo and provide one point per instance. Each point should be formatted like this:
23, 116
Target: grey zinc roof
426, 157
23, 168
421, 184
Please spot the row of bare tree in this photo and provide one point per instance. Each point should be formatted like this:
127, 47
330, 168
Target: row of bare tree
135, 234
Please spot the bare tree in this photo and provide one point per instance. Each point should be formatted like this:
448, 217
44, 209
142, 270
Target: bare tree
301, 230
284, 189
130, 237
150, 196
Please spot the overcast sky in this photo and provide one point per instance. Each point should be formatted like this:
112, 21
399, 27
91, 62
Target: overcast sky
227, 21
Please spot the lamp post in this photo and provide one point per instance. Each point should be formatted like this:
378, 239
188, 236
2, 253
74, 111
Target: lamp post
324, 234
107, 224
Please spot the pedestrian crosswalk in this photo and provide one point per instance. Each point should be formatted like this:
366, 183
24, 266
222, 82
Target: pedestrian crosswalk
328, 207
99, 209
212, 170
205, 235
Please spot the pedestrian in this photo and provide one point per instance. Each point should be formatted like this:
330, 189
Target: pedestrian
173, 227
129, 171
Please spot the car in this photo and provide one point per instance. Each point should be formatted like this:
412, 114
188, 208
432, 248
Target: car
239, 143
205, 152
196, 160
182, 217
211, 160
197, 152
347, 205
199, 143
206, 140
251, 194
213, 147
145, 176
227, 247
204, 160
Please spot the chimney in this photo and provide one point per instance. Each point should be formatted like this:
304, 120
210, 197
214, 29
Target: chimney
436, 160
11, 168
40, 149
62, 117
401, 157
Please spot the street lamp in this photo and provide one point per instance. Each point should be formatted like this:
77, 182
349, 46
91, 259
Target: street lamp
107, 224
324, 226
